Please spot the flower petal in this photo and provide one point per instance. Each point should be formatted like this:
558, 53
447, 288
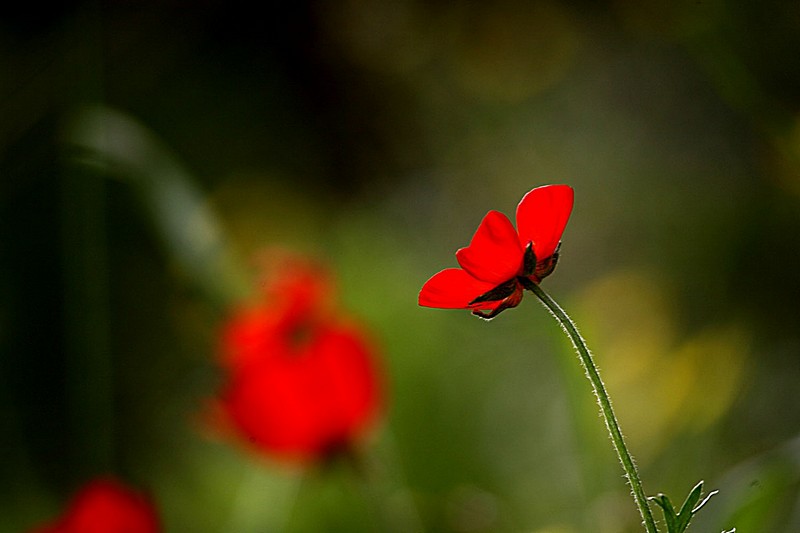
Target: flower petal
542, 216
104, 504
346, 366
305, 403
452, 288
494, 255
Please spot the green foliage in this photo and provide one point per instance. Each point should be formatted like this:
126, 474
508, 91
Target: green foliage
677, 523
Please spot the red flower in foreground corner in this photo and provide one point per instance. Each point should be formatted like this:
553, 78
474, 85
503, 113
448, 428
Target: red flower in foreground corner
106, 506
303, 382
501, 261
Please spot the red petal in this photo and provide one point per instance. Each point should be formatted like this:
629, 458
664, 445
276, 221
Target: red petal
271, 405
452, 288
495, 254
106, 505
304, 403
345, 365
542, 216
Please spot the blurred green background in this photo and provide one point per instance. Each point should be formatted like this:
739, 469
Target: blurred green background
149, 150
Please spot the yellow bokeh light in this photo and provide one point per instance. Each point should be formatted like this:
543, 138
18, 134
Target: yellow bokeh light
663, 383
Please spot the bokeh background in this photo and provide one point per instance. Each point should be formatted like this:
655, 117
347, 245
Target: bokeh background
148, 151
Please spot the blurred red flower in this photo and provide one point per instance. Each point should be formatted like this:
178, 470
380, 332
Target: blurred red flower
501, 261
302, 380
106, 506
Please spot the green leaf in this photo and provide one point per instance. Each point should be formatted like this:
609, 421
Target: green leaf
669, 511
692, 499
705, 501
687, 509
677, 523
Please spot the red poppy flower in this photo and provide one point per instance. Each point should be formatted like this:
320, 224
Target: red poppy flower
106, 506
303, 381
501, 261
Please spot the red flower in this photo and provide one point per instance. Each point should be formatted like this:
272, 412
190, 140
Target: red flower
302, 381
500, 261
106, 506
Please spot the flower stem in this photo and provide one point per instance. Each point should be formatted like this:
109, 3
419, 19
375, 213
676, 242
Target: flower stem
605, 404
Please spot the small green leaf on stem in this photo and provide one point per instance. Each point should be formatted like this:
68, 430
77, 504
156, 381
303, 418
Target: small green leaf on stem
669, 511
677, 523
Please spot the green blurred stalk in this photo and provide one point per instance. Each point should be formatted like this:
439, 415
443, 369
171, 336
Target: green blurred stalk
118, 146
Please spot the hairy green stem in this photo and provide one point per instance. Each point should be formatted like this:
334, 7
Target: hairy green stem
605, 405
